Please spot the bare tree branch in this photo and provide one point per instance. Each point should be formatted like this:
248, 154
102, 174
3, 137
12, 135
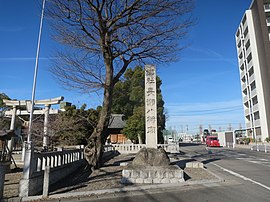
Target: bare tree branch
102, 38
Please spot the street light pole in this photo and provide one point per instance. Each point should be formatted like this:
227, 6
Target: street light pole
35, 75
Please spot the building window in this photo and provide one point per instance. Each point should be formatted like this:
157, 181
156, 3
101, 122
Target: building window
268, 19
245, 92
246, 32
238, 33
249, 58
248, 118
242, 67
255, 100
247, 45
239, 44
252, 85
244, 19
267, 6
241, 55
256, 115
246, 104
251, 71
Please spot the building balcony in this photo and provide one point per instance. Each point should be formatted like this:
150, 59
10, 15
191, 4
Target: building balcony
257, 122
255, 107
242, 74
243, 86
238, 39
251, 78
246, 40
248, 125
240, 61
248, 51
253, 93
245, 26
246, 111
250, 64
245, 99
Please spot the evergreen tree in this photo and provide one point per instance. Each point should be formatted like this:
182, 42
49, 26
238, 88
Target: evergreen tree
129, 100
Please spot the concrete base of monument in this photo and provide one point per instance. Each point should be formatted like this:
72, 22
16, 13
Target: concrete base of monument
152, 174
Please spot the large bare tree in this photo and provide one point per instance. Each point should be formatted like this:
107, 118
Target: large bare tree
102, 38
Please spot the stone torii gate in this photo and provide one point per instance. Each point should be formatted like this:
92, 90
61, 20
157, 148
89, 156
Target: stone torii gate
15, 104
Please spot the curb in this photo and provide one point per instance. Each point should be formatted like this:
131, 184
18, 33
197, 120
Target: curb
96, 193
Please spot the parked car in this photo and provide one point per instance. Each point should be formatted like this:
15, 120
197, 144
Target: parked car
212, 141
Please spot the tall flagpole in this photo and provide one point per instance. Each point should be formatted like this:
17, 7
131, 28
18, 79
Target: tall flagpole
35, 75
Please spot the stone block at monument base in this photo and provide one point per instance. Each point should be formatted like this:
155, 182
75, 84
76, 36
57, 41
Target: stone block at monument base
152, 174
152, 166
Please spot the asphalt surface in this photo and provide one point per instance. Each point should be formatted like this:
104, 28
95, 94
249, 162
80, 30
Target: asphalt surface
241, 175
245, 177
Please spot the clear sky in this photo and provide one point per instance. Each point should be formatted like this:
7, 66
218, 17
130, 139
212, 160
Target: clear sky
202, 88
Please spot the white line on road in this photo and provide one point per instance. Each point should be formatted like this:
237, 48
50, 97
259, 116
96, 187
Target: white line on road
241, 176
263, 159
240, 158
257, 162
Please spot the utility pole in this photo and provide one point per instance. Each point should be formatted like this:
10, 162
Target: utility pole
201, 129
35, 75
230, 127
240, 126
219, 128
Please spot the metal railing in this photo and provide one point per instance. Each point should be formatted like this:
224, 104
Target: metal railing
261, 147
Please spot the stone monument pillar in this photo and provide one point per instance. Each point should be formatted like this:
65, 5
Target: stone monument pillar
150, 107
46, 120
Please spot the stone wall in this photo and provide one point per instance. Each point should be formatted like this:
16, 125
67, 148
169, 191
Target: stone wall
153, 174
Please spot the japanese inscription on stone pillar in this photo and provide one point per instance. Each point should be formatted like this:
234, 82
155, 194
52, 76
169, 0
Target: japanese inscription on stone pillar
150, 106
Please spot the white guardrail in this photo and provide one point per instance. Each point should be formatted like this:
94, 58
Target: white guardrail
264, 147
134, 148
261, 147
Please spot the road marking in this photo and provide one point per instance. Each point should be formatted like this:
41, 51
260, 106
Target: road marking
252, 157
263, 162
256, 162
241, 158
241, 176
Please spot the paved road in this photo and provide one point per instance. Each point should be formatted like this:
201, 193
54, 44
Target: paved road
245, 164
246, 177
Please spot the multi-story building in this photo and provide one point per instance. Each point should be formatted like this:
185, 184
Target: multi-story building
253, 49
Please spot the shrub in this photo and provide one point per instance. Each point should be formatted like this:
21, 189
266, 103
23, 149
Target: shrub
267, 139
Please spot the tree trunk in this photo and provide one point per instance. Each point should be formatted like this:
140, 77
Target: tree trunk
94, 150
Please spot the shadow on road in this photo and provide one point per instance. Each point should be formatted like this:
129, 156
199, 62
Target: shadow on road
188, 144
210, 160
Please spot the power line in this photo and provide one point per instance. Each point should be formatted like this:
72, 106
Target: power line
201, 113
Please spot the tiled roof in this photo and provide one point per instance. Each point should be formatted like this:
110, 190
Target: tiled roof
116, 121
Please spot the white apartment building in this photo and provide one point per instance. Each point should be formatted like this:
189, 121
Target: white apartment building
253, 49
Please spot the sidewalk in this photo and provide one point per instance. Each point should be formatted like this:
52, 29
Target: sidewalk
107, 180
